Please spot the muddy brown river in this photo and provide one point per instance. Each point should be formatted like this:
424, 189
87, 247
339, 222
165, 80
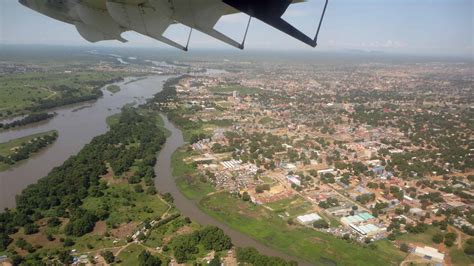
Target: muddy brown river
78, 124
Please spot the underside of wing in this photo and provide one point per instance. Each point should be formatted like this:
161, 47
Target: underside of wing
98, 20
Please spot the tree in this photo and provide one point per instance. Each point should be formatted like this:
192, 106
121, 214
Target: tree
68, 242
5, 240
216, 261
437, 238
245, 196
138, 188
31, 229
54, 221
65, 257
146, 259
151, 190
321, 224
108, 256
404, 247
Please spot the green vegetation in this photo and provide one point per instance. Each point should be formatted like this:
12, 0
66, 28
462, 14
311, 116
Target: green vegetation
251, 256
76, 193
129, 256
113, 88
20, 149
189, 185
434, 236
231, 88
186, 247
266, 120
124, 204
112, 120
305, 243
36, 91
29, 119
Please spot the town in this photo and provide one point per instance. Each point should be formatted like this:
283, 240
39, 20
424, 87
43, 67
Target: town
363, 152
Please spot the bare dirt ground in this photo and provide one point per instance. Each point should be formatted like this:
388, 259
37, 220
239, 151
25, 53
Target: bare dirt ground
124, 230
100, 228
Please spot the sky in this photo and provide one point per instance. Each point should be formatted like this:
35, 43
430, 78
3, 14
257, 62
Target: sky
437, 27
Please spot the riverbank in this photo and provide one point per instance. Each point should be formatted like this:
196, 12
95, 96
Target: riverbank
266, 227
18, 150
115, 203
76, 125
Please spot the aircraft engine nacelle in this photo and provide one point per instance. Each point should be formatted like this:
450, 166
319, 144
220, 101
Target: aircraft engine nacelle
151, 20
97, 24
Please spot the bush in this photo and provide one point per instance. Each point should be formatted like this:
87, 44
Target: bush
138, 188
68, 242
321, 224
404, 247
31, 229
108, 256
54, 221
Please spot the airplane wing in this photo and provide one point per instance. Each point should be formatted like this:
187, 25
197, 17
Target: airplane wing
98, 20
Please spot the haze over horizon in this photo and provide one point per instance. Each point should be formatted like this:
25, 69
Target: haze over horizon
434, 27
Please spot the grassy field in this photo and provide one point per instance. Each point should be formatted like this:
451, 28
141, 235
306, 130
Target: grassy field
191, 186
311, 245
21, 91
6, 148
129, 256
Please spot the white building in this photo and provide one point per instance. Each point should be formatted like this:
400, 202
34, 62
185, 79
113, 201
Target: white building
308, 218
429, 253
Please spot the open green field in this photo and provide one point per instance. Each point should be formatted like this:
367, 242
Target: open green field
19, 92
7, 148
191, 186
129, 256
231, 88
316, 247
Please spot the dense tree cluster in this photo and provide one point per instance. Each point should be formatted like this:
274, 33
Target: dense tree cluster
251, 256
60, 194
365, 198
26, 149
185, 247
29, 119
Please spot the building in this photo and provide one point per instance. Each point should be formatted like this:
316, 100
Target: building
358, 218
366, 229
308, 218
294, 180
429, 253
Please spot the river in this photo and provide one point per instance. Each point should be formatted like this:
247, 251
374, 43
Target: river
165, 182
78, 124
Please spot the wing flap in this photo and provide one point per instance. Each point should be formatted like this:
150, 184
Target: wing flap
270, 12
